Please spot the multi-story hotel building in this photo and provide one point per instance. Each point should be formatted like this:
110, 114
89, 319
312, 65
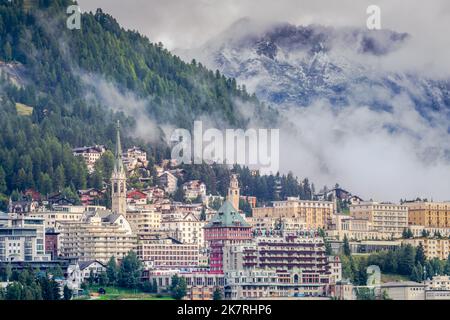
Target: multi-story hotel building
271, 284
316, 214
280, 267
188, 229
226, 227
280, 253
144, 221
433, 248
98, 236
168, 181
60, 214
22, 238
384, 217
167, 253
429, 214
354, 229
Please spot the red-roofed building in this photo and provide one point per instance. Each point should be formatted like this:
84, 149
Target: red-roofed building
90, 197
33, 194
136, 197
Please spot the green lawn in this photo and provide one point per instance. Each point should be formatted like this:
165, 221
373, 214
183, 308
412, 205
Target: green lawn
114, 293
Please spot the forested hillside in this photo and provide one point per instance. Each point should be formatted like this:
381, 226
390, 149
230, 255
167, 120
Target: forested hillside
48, 63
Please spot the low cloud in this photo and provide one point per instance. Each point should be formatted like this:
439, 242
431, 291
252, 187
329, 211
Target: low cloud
376, 154
111, 96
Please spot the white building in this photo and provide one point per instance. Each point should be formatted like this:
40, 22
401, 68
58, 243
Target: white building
93, 267
98, 236
22, 238
188, 229
405, 290
90, 155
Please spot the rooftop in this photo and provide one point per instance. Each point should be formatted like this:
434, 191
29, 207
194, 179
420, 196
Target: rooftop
226, 217
403, 284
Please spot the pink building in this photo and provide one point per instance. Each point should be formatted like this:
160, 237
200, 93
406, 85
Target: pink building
226, 227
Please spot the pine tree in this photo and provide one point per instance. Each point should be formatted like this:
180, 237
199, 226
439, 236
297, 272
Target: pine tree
447, 266
415, 275
406, 260
346, 247
155, 286
3, 186
59, 181
178, 288
217, 295
112, 271
67, 293
420, 255
7, 51
130, 271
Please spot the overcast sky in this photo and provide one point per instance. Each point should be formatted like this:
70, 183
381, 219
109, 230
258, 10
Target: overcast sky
188, 23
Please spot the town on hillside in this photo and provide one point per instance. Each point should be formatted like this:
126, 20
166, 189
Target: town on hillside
183, 240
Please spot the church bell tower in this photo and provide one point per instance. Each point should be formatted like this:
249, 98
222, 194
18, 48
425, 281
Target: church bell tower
119, 180
233, 191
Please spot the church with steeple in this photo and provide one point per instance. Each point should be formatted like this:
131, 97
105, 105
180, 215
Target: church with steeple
119, 180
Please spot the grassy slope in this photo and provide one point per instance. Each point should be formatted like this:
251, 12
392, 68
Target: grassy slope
23, 109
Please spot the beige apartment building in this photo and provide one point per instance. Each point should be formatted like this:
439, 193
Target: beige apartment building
429, 214
98, 236
315, 214
385, 217
354, 229
144, 221
433, 248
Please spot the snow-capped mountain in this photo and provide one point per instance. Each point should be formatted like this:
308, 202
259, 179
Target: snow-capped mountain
356, 106
295, 65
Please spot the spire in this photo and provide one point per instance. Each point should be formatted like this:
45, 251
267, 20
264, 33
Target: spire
118, 164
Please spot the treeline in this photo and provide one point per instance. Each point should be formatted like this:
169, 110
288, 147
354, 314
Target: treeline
406, 261
265, 187
29, 284
128, 275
